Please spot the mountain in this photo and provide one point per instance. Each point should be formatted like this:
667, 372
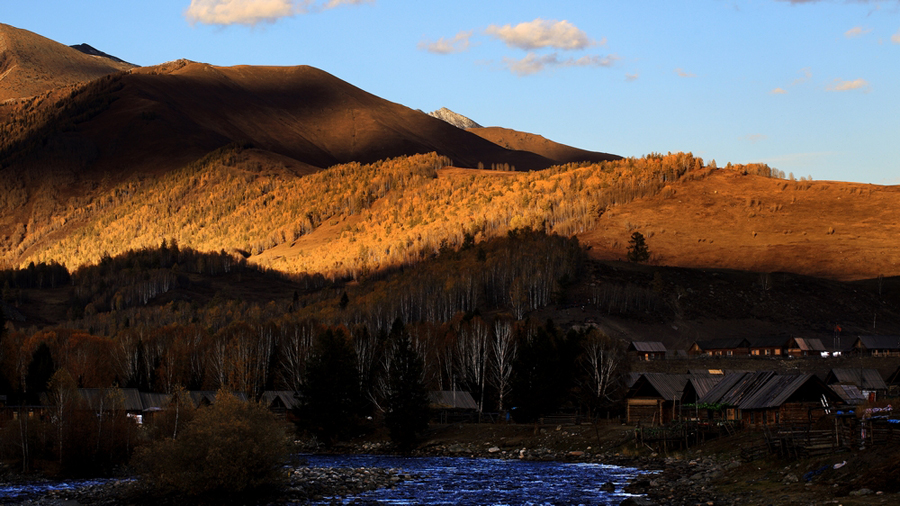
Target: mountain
92, 51
512, 139
31, 64
457, 120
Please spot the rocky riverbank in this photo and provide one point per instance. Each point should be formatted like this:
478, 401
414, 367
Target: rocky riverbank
304, 485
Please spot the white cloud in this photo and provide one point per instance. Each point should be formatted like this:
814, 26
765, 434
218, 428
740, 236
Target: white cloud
533, 63
458, 44
807, 74
856, 84
754, 138
857, 31
542, 33
896, 38
778, 91
252, 12
682, 73
632, 77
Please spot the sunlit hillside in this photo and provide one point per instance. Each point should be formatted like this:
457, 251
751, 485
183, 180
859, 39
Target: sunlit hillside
350, 219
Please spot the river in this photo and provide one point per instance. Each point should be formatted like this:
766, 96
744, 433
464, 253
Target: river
444, 480
454, 480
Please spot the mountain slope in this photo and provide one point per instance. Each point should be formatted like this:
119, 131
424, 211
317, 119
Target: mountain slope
31, 64
836, 230
512, 139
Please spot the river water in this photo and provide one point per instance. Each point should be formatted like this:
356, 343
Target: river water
450, 480
445, 480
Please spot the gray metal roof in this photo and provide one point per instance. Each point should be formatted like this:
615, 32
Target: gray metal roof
452, 399
280, 398
155, 402
849, 393
735, 387
776, 391
666, 386
648, 346
809, 344
867, 379
723, 343
761, 389
106, 398
879, 342
703, 383
769, 342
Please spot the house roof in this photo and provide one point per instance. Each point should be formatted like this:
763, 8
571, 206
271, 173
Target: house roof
735, 387
452, 399
762, 389
97, 398
632, 378
279, 398
155, 402
703, 383
647, 346
849, 393
878, 342
777, 390
723, 343
659, 385
768, 342
809, 344
866, 379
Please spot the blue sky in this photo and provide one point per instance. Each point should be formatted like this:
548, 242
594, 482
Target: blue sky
811, 87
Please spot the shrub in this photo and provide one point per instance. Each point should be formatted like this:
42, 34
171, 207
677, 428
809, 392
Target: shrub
229, 449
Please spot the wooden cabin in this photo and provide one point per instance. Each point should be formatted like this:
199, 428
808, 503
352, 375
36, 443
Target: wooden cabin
655, 398
767, 397
768, 346
728, 347
805, 347
868, 381
647, 350
877, 346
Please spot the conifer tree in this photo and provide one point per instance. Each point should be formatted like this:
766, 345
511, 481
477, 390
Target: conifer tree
406, 410
637, 249
330, 396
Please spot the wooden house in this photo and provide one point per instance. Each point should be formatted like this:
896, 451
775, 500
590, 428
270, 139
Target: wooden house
868, 381
281, 402
767, 397
647, 350
449, 406
112, 399
877, 346
655, 398
805, 347
768, 346
727, 347
851, 394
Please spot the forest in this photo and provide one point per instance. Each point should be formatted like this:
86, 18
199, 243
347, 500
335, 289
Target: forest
462, 315
349, 220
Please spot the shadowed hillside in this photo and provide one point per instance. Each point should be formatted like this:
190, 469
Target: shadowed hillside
562, 154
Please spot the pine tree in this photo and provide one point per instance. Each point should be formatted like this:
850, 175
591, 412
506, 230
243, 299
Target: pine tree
637, 249
330, 397
406, 410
